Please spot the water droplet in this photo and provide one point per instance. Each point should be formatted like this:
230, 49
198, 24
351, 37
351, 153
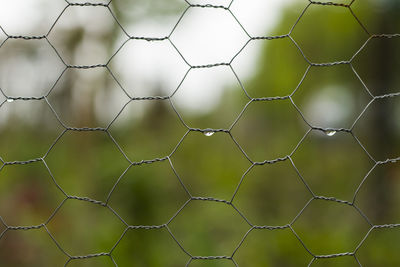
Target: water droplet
9, 100
208, 133
330, 133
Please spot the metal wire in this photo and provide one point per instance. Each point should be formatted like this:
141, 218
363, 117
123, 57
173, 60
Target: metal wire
189, 129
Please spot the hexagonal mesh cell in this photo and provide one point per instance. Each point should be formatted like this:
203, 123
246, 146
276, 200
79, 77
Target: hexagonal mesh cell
153, 186
264, 247
338, 45
199, 98
278, 76
29, 68
276, 125
331, 97
272, 194
374, 196
218, 230
206, 174
149, 247
330, 227
33, 247
75, 237
31, 190
93, 149
138, 61
33, 117
375, 248
199, 133
95, 86
29, 17
215, 40
80, 42
318, 159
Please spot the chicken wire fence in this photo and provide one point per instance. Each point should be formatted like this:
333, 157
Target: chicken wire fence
190, 257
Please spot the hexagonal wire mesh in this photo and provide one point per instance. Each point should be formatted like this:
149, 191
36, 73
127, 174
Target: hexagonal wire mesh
177, 227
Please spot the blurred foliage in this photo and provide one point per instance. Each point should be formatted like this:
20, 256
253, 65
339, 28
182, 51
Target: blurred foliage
89, 164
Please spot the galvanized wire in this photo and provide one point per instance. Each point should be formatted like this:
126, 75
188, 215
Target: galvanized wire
210, 131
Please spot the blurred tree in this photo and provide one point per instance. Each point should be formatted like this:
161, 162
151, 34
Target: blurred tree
324, 33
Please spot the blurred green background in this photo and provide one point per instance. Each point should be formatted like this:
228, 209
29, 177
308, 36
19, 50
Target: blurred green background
218, 165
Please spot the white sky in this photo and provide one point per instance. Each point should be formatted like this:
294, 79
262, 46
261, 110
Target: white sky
204, 36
